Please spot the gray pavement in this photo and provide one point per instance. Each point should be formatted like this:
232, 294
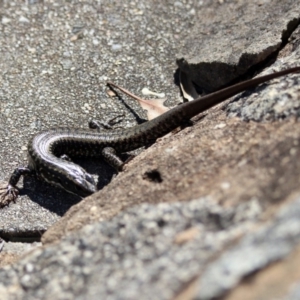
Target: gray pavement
55, 59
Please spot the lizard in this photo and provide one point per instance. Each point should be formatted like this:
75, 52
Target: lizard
49, 150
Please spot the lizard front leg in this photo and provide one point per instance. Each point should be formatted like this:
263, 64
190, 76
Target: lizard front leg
8, 191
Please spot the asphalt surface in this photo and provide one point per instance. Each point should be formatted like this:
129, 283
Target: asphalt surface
55, 60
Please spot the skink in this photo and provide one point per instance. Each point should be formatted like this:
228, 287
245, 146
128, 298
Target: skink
46, 149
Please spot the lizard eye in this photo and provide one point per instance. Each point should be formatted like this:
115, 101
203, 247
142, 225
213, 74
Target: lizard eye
89, 179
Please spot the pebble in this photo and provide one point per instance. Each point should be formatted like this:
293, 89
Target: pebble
23, 19
5, 20
116, 47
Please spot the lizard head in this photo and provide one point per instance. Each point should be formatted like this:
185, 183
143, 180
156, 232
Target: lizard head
80, 183
72, 178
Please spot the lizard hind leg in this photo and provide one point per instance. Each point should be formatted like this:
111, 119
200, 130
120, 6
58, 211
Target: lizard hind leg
110, 156
8, 191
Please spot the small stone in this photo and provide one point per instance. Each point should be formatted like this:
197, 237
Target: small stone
220, 126
33, 1
66, 54
77, 28
225, 185
111, 93
96, 42
186, 235
5, 20
23, 19
77, 36
146, 91
116, 47
31, 50
178, 4
66, 64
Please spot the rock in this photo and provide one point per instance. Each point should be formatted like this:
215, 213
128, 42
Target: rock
137, 253
215, 153
226, 40
209, 211
10, 252
279, 102
54, 81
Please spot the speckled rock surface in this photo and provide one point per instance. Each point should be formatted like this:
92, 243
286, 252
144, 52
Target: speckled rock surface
226, 40
55, 60
125, 244
156, 251
229, 226
11, 251
214, 145
280, 101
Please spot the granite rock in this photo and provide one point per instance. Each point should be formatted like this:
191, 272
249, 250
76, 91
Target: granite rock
229, 222
226, 40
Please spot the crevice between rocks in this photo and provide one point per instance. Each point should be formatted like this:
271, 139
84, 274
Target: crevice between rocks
248, 66
24, 237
